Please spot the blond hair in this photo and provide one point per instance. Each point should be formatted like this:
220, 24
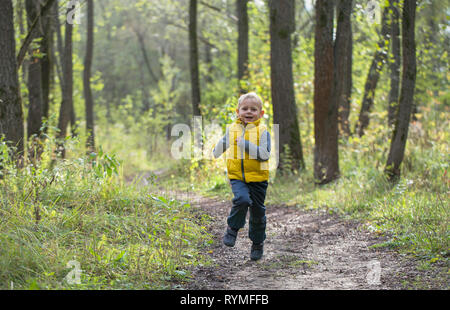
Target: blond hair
252, 96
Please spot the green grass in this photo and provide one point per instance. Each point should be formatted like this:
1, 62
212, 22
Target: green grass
122, 236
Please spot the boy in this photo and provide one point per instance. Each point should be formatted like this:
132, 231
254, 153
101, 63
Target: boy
247, 146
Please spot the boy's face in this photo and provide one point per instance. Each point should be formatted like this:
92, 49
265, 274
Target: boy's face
249, 111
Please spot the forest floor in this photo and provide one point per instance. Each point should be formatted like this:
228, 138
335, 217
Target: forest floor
305, 250
310, 250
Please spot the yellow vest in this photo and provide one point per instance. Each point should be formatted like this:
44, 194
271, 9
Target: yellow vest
240, 164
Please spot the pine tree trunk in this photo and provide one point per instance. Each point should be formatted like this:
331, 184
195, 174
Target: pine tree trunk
242, 16
11, 115
373, 76
326, 158
282, 24
193, 56
343, 50
395, 64
90, 142
400, 134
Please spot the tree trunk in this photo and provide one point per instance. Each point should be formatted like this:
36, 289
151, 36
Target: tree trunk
378, 61
145, 55
209, 64
343, 53
282, 24
59, 62
326, 160
27, 41
395, 64
90, 142
242, 16
46, 63
400, 134
193, 56
66, 110
20, 7
11, 115
34, 121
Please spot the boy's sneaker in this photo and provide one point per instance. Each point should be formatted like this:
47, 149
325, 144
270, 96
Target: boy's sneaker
257, 251
229, 239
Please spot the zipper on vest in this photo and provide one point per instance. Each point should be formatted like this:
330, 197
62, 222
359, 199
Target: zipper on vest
242, 157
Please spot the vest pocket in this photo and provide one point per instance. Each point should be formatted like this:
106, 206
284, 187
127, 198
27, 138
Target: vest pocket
234, 168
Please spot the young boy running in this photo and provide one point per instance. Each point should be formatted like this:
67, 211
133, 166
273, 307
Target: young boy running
247, 146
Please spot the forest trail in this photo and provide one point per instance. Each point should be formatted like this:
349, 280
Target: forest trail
304, 250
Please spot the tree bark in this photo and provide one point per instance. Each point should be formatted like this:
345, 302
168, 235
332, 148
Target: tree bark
343, 53
89, 104
193, 56
11, 115
326, 157
400, 134
46, 62
395, 64
282, 25
29, 38
59, 46
373, 76
20, 8
35, 98
242, 16
66, 110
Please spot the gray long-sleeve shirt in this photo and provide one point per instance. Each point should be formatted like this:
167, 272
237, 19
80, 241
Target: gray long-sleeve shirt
261, 152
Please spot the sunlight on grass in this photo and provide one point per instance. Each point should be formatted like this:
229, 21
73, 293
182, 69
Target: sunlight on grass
122, 235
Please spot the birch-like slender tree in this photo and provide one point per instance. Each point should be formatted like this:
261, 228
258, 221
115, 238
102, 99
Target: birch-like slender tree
242, 16
378, 61
89, 103
400, 134
395, 64
193, 58
66, 112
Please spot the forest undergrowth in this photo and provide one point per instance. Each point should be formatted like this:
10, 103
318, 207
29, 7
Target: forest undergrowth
87, 222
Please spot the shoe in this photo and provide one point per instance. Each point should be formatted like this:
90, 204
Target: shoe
257, 251
229, 239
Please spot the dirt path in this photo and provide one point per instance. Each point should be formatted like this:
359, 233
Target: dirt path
303, 250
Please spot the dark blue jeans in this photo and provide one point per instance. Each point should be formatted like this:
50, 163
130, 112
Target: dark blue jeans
249, 196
